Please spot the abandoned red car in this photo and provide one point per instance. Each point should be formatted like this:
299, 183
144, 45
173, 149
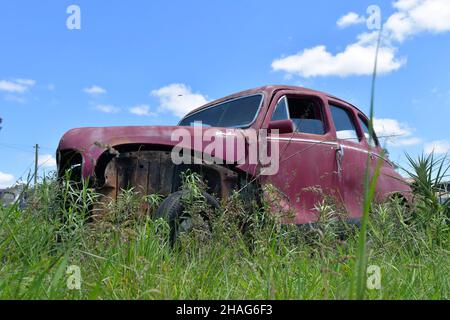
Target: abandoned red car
322, 144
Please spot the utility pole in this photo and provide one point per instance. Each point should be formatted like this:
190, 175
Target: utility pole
36, 159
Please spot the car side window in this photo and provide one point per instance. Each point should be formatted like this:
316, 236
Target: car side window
281, 110
305, 113
373, 142
343, 122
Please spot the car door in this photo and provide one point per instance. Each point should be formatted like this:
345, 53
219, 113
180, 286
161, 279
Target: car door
389, 182
307, 168
376, 157
353, 157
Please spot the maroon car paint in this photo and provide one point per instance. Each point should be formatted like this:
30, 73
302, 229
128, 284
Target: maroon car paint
309, 166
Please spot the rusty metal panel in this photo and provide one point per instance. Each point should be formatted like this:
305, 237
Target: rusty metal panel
148, 172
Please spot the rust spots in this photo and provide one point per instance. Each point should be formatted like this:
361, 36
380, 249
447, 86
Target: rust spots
147, 172
108, 147
153, 172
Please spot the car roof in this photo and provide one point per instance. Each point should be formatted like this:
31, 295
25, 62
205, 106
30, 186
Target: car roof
269, 91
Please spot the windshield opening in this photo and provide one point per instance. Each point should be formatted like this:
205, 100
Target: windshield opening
236, 113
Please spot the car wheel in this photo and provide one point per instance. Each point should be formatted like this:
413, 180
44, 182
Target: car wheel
172, 209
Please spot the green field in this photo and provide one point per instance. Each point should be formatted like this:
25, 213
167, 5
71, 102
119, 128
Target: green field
127, 255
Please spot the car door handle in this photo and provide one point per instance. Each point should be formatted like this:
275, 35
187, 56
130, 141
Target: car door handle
339, 158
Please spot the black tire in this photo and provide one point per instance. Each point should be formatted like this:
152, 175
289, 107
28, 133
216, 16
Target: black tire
172, 210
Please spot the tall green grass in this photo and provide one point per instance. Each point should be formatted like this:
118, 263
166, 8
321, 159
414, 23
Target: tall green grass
247, 254
370, 182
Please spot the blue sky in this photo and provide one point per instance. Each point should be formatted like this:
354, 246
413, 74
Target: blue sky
131, 60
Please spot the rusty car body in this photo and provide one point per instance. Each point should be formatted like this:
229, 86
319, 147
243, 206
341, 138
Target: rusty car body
327, 149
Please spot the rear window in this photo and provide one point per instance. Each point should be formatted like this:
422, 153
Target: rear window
345, 128
373, 142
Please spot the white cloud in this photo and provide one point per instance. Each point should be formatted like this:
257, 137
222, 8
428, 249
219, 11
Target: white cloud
410, 17
412, 141
46, 161
10, 86
178, 99
395, 133
6, 180
107, 108
349, 19
356, 59
142, 110
94, 90
391, 127
438, 147
26, 82
417, 16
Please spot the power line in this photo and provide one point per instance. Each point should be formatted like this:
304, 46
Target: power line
16, 148
24, 172
22, 147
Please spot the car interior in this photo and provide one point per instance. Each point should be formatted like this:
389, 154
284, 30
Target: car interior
306, 114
